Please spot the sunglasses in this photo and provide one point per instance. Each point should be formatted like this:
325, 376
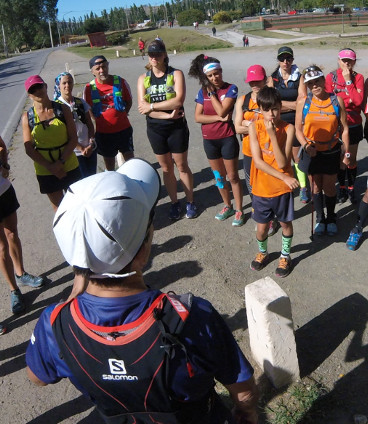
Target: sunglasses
155, 54
35, 87
287, 58
311, 71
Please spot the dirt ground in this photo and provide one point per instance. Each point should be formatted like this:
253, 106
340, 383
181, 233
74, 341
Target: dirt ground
327, 288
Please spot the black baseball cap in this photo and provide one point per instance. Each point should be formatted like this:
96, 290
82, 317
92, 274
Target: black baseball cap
285, 50
93, 61
157, 46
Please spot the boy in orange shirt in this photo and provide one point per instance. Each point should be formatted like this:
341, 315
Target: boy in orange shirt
271, 141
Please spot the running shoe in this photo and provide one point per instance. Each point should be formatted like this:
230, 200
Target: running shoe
304, 195
331, 229
354, 239
2, 329
17, 302
351, 194
30, 280
342, 197
272, 228
239, 219
260, 261
225, 213
191, 210
284, 268
175, 211
320, 229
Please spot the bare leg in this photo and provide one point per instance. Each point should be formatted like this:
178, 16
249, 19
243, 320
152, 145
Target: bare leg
6, 264
55, 198
185, 174
167, 164
233, 176
14, 244
218, 165
128, 155
109, 163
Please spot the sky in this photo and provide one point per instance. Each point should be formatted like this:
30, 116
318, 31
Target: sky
69, 8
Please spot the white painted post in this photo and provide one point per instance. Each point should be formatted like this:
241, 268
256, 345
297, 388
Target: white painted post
133, 52
271, 331
174, 51
117, 53
67, 67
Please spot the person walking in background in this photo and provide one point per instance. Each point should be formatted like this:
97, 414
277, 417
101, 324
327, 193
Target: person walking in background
246, 41
286, 79
50, 138
161, 95
119, 326
141, 46
320, 123
110, 99
214, 31
349, 85
11, 257
246, 112
86, 148
272, 179
214, 108
244, 38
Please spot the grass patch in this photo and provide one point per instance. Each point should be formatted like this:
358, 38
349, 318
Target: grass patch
296, 403
269, 34
181, 40
335, 29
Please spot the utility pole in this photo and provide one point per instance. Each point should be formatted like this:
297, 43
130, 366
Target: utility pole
5, 46
52, 41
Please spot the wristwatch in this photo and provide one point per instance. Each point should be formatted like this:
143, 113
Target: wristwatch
347, 155
349, 82
5, 165
211, 93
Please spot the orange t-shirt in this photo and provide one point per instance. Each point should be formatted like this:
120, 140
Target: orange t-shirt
320, 126
263, 184
250, 115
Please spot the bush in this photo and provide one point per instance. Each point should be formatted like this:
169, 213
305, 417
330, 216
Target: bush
235, 15
187, 17
117, 38
222, 18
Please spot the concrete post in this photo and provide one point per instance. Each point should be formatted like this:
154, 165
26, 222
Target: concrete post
271, 331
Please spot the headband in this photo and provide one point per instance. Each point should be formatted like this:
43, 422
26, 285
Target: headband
211, 67
57, 93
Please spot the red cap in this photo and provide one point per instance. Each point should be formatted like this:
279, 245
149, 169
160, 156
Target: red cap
33, 80
255, 73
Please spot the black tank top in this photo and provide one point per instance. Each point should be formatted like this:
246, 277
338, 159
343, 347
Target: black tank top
288, 93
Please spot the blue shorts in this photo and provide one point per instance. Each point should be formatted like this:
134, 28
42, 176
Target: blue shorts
264, 209
226, 148
108, 145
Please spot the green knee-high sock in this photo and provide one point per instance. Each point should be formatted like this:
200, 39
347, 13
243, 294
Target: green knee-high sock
301, 176
286, 245
262, 245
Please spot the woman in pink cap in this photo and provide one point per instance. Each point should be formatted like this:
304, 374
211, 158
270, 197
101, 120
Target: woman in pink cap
349, 85
50, 138
247, 111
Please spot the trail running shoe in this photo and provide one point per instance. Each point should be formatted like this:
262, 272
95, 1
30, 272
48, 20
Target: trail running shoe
354, 239
239, 219
331, 229
175, 211
17, 302
260, 261
342, 197
2, 329
30, 280
320, 229
225, 213
191, 210
351, 194
304, 195
284, 268
272, 228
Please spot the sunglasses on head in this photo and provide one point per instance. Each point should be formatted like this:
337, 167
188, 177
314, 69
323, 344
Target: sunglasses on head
287, 58
34, 88
311, 71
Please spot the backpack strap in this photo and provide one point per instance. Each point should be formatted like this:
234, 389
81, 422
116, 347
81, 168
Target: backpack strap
96, 99
307, 104
119, 103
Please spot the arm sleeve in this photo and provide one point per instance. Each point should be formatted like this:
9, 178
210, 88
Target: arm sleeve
199, 98
232, 92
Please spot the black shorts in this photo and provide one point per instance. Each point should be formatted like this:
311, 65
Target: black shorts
226, 148
264, 209
50, 183
355, 134
172, 138
8, 203
108, 145
327, 163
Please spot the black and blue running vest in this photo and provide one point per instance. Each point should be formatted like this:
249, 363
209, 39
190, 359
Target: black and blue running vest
288, 93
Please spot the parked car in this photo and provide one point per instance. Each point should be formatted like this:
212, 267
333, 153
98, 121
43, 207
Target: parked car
292, 12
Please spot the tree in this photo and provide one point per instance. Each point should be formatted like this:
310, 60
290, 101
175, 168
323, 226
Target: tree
187, 17
221, 18
95, 25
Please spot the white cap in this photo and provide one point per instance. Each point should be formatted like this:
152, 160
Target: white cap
102, 220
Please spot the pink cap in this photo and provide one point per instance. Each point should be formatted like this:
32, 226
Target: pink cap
33, 80
255, 73
347, 54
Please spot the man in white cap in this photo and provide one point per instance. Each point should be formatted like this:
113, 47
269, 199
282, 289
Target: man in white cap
140, 355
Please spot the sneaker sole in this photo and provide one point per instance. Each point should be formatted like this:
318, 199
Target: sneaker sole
30, 285
264, 263
283, 275
352, 248
238, 225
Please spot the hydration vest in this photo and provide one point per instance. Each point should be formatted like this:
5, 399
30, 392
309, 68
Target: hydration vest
170, 92
78, 109
335, 83
119, 103
288, 92
336, 107
126, 372
245, 106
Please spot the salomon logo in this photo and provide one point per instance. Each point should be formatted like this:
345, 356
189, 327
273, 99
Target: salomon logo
118, 371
